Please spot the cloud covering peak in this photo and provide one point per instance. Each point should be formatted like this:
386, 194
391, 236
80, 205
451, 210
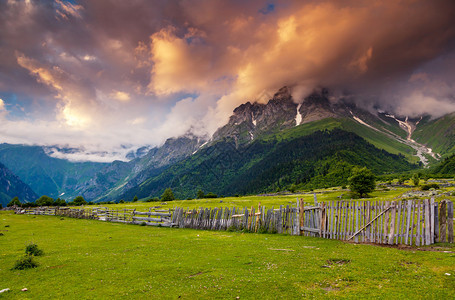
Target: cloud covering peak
110, 76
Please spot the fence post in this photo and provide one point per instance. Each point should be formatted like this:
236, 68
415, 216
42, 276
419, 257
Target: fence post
427, 210
315, 199
450, 221
436, 222
392, 223
297, 215
443, 220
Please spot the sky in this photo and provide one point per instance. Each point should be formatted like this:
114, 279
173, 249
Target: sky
109, 76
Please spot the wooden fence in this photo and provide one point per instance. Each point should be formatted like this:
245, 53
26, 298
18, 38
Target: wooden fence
411, 222
272, 220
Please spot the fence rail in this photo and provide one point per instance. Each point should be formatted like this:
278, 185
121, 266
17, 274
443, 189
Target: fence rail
419, 222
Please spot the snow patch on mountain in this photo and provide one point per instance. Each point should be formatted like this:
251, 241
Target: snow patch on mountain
298, 117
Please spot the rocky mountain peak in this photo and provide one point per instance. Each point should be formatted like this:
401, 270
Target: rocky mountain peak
250, 120
283, 95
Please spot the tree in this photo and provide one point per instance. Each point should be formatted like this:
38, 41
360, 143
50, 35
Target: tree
60, 202
402, 179
211, 195
168, 195
416, 179
79, 200
44, 201
362, 181
200, 194
13, 202
292, 188
135, 199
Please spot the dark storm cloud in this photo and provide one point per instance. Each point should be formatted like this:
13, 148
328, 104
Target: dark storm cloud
136, 72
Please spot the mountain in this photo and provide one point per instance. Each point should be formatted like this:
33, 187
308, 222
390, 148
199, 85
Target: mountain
47, 175
322, 158
438, 134
270, 146
11, 186
251, 121
285, 143
446, 167
118, 176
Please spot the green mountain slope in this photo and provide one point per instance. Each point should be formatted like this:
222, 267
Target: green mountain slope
446, 167
44, 174
321, 158
379, 139
438, 134
11, 186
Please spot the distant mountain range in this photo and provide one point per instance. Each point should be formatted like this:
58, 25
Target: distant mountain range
283, 144
11, 186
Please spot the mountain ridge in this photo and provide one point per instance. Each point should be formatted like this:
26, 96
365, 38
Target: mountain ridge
280, 120
11, 186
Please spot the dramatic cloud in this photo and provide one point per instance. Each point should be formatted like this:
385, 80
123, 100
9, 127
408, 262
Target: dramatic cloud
110, 76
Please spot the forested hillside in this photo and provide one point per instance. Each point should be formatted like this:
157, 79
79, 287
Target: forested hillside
323, 158
11, 186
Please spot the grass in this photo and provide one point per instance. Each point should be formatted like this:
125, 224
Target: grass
331, 194
87, 259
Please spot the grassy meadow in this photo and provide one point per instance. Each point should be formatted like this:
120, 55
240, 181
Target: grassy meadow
331, 194
89, 259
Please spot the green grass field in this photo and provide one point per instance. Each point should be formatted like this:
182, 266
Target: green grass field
331, 194
87, 259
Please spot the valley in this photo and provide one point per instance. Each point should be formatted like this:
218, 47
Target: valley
263, 148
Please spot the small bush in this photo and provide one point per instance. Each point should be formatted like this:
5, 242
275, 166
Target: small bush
211, 195
262, 229
26, 262
231, 228
32, 249
429, 186
143, 224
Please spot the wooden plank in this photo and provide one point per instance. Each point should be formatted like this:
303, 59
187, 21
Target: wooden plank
309, 229
152, 213
427, 205
152, 219
392, 223
332, 221
357, 208
322, 225
301, 213
413, 220
398, 216
443, 220
408, 222
403, 221
337, 217
374, 230
418, 223
450, 221
169, 224
436, 223
346, 220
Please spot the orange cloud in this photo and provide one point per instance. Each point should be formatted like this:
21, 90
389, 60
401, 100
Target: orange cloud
179, 65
